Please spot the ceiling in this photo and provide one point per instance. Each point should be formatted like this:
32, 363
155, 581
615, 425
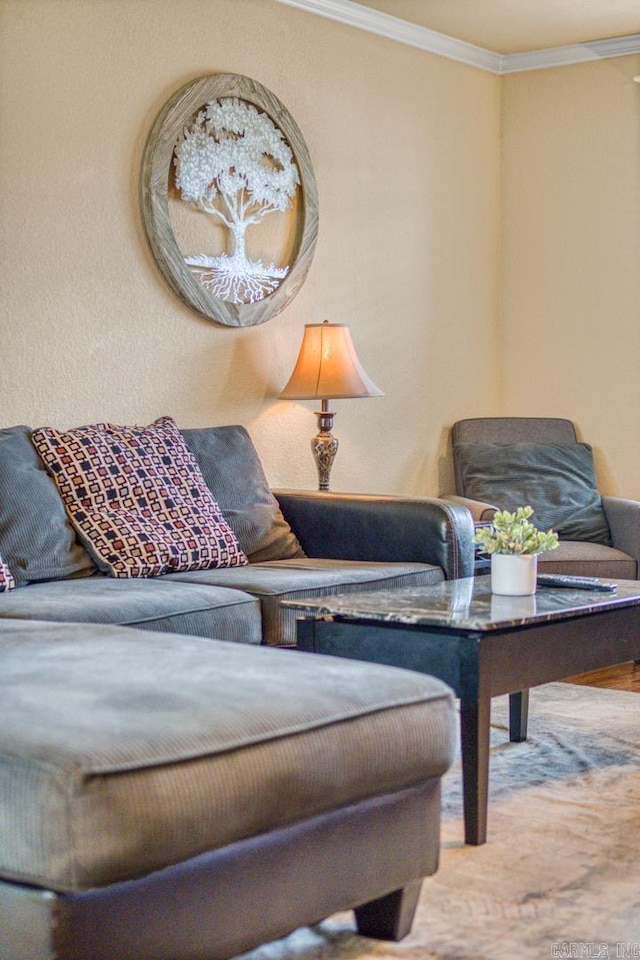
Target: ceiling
514, 26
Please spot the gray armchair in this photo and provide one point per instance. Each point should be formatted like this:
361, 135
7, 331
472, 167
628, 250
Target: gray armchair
553, 471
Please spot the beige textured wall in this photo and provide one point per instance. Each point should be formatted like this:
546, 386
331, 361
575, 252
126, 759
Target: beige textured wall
405, 147
571, 257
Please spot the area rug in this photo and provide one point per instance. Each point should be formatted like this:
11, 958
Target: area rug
560, 873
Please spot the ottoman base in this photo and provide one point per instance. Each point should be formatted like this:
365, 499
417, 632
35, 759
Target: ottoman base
369, 856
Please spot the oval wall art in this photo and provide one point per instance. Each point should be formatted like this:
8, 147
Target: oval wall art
229, 200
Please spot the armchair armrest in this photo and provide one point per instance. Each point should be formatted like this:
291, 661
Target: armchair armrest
383, 528
480, 511
623, 517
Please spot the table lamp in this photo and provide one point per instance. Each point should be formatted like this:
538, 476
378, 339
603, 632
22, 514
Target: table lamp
327, 368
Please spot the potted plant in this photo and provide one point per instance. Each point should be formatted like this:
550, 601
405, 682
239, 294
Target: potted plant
513, 543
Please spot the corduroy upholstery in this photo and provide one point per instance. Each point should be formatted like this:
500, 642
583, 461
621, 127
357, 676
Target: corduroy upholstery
159, 751
308, 577
174, 796
153, 604
130, 759
38, 541
233, 472
556, 479
350, 541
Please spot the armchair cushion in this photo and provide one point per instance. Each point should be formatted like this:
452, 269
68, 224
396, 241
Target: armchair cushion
557, 480
580, 559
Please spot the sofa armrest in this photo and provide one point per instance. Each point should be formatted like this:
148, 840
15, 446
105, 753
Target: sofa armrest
623, 517
385, 528
480, 511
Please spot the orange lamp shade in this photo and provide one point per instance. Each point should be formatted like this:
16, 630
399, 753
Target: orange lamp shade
328, 367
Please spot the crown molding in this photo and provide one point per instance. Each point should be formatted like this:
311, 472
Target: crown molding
393, 28
574, 53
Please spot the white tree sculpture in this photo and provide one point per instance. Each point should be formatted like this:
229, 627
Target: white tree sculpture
234, 163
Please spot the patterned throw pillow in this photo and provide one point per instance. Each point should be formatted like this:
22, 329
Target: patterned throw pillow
6, 578
138, 499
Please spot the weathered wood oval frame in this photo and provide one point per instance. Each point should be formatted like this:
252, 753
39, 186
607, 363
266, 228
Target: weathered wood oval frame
156, 165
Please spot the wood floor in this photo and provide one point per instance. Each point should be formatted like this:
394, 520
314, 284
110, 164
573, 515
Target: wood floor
625, 676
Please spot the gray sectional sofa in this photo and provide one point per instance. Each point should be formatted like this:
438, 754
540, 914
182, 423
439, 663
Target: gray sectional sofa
298, 544
170, 787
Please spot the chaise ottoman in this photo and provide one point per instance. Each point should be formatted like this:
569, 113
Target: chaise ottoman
168, 797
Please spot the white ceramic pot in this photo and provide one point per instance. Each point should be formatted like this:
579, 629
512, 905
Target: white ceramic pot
514, 575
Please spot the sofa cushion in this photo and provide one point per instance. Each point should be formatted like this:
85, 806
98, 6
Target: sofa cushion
138, 498
205, 611
37, 539
309, 577
161, 750
7, 581
234, 474
556, 479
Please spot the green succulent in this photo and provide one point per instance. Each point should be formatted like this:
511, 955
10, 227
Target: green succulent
513, 533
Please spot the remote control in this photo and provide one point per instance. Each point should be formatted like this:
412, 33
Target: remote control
575, 583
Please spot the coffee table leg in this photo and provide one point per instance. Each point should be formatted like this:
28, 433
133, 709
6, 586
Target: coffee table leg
475, 716
518, 716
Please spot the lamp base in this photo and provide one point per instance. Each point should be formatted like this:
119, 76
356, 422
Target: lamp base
324, 447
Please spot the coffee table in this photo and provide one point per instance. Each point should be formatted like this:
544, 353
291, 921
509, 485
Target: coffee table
482, 645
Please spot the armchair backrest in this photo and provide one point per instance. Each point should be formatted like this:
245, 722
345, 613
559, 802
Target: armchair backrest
509, 430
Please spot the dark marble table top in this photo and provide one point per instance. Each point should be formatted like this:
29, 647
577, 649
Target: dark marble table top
468, 604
